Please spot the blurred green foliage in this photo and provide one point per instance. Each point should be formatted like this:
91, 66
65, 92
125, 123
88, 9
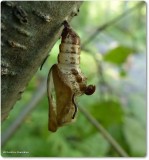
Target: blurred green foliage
118, 55
119, 103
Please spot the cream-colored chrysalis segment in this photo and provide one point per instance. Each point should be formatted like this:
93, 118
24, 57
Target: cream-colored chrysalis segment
67, 81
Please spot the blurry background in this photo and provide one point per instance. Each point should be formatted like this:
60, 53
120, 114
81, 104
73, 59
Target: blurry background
113, 57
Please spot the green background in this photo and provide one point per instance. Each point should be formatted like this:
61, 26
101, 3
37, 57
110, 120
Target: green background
115, 61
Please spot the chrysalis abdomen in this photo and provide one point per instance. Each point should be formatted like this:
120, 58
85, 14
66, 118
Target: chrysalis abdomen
69, 61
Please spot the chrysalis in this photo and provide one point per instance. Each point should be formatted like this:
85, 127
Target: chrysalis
67, 81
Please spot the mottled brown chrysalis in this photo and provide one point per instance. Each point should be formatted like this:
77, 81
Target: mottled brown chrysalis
67, 81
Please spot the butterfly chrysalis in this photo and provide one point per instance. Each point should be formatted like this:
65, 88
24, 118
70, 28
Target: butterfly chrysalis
66, 80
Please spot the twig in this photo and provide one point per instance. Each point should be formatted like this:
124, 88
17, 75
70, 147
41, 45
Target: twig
104, 132
109, 23
37, 96
27, 109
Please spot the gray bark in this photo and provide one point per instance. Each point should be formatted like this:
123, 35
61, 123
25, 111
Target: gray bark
29, 31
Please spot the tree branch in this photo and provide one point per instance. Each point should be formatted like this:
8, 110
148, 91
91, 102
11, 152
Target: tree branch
110, 23
27, 109
29, 31
104, 132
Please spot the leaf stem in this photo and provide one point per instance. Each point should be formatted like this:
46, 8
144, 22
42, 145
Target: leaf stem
104, 132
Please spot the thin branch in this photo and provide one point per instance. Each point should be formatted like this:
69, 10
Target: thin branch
37, 96
109, 23
104, 132
27, 109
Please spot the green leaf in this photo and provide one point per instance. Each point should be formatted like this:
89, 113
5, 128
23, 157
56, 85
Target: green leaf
118, 55
86, 59
135, 136
94, 146
137, 105
108, 112
122, 72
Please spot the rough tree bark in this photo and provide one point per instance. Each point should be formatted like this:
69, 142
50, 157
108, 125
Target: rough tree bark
29, 31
